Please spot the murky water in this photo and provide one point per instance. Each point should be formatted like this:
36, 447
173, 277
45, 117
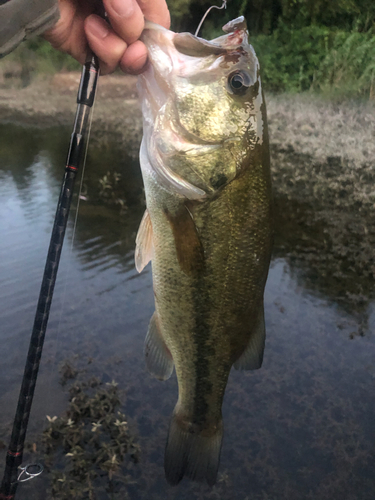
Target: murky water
302, 427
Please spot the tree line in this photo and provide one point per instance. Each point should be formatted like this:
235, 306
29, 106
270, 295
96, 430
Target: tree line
264, 16
322, 45
303, 45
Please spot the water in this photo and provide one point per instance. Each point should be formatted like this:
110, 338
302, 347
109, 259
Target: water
301, 427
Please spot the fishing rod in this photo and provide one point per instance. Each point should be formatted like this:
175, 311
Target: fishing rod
14, 473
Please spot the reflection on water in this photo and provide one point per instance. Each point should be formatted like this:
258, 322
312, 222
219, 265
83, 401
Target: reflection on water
301, 427
331, 251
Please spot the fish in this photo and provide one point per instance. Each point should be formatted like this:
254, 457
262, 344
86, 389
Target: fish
207, 228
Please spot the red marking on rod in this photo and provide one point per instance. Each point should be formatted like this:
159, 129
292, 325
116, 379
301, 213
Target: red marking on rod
92, 70
14, 453
70, 167
8, 497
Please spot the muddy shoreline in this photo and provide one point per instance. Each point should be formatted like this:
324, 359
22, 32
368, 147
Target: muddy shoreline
306, 124
307, 129
323, 157
52, 101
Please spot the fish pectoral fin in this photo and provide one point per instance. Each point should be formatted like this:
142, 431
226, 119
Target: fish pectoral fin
159, 360
189, 248
144, 243
252, 357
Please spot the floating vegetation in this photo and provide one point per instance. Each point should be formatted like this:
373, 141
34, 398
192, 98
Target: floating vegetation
111, 192
89, 451
67, 372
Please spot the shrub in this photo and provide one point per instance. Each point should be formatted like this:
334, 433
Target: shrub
290, 58
349, 66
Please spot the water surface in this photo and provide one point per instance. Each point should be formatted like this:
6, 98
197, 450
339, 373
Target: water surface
301, 427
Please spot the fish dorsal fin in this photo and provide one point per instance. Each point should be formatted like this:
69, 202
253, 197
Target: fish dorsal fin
144, 243
158, 358
252, 357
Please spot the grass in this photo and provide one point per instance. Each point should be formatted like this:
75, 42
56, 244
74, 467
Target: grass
32, 58
349, 67
319, 59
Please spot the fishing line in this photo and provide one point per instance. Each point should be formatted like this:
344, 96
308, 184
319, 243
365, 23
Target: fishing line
83, 173
65, 276
67, 272
223, 6
70, 253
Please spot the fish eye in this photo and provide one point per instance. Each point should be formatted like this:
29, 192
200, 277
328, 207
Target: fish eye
238, 82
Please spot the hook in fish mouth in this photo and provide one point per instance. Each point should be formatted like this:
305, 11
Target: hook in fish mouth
222, 6
177, 62
184, 55
192, 45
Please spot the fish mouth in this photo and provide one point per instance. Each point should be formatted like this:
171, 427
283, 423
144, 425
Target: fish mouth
177, 59
171, 55
167, 49
182, 55
164, 134
154, 82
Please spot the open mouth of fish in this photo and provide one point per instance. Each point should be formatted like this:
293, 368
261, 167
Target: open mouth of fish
182, 55
172, 57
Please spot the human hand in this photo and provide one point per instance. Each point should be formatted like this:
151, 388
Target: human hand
115, 45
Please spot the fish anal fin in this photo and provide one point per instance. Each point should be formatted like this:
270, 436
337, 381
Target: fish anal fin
144, 243
191, 452
158, 358
189, 249
252, 356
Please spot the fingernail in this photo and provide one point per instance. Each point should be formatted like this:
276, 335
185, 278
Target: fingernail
98, 27
123, 8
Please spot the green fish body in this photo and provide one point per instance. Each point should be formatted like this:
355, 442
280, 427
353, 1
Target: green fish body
207, 228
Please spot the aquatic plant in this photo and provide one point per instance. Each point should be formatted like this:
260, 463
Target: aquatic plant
89, 450
110, 191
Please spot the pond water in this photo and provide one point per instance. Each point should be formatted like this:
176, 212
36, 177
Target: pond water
301, 427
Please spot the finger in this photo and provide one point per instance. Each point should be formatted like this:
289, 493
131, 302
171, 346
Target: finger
134, 59
108, 46
67, 34
126, 18
156, 11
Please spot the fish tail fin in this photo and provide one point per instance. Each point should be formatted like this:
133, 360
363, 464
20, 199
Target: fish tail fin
192, 452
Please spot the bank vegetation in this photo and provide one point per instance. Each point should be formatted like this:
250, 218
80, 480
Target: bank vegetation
303, 45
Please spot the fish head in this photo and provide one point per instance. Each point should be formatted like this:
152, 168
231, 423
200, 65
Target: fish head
202, 105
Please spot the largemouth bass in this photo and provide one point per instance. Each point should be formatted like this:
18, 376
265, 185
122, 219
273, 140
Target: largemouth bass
207, 228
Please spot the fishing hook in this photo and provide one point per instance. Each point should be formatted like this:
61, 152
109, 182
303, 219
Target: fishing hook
223, 6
